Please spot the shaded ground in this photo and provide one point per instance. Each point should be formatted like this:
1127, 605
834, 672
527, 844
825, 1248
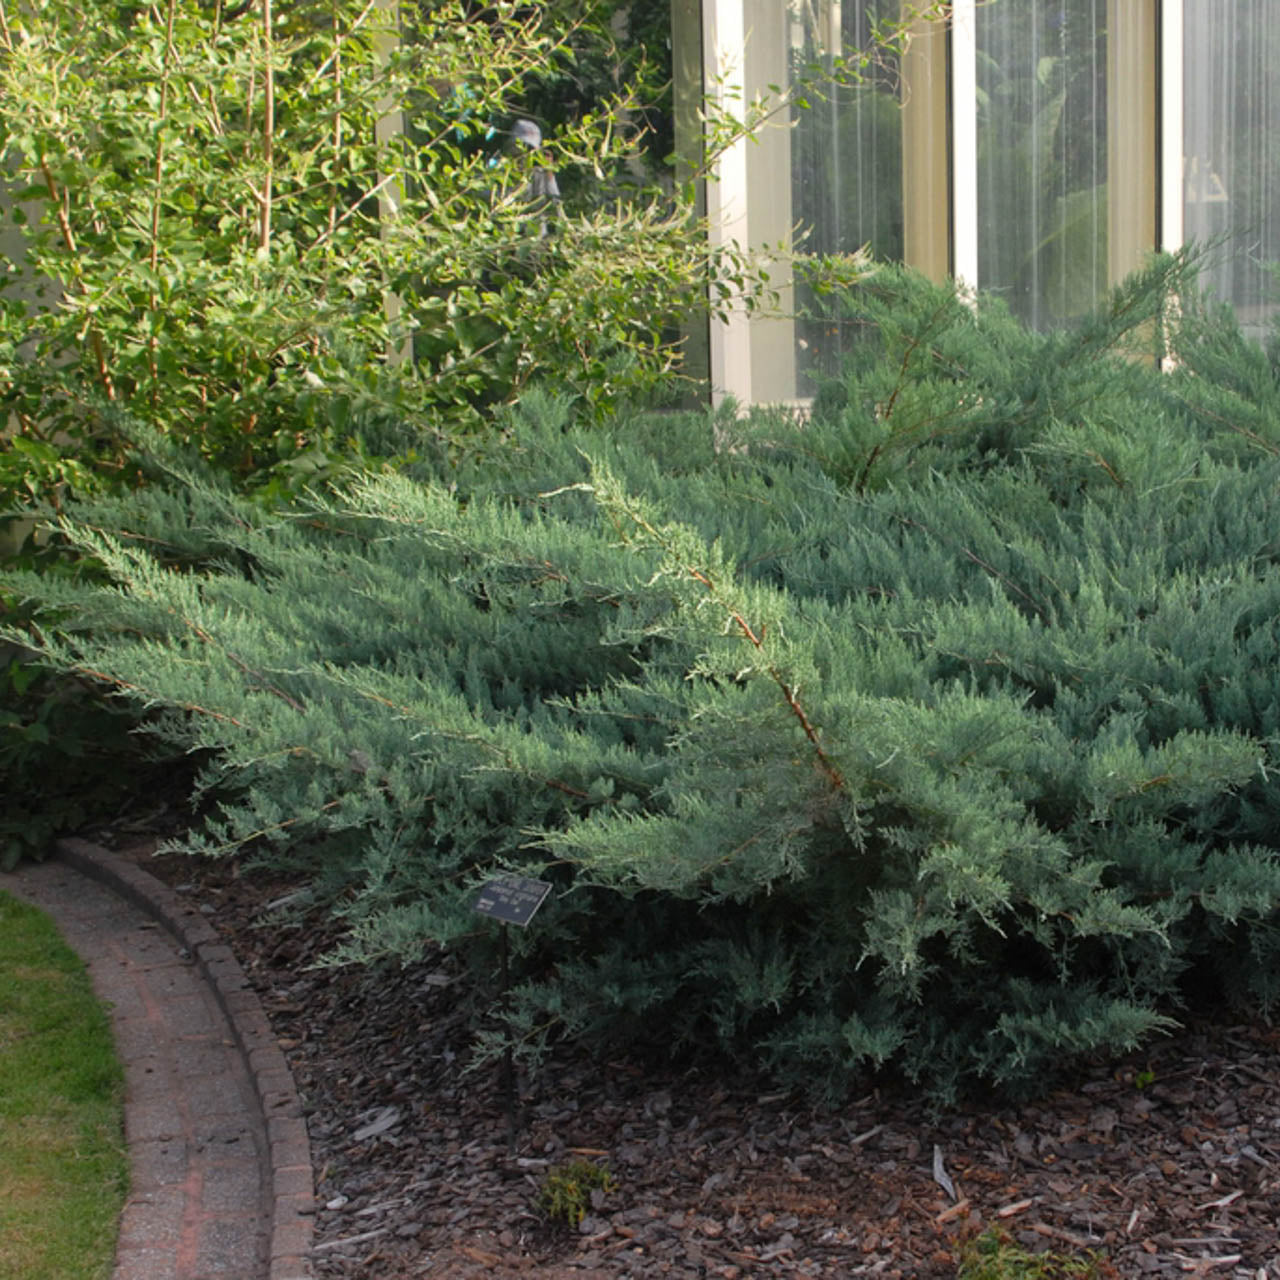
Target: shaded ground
1165, 1164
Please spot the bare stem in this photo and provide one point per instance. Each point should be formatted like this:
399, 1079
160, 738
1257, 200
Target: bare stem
268, 129
337, 116
152, 299
59, 201
247, 147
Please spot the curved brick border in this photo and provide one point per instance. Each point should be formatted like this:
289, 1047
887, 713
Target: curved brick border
289, 1190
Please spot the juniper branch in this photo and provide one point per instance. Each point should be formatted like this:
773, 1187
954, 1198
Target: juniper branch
243, 667
104, 677
753, 636
555, 783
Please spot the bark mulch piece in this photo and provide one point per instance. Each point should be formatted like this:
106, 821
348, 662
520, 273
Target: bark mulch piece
1165, 1164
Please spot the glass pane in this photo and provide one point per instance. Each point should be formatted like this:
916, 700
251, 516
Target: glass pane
1231, 160
846, 160
1042, 155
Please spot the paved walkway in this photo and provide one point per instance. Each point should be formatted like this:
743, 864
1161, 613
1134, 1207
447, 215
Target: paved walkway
221, 1174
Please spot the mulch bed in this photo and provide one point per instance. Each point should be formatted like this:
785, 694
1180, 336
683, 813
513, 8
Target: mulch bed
1165, 1164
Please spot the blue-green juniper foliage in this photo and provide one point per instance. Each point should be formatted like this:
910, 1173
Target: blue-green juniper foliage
939, 733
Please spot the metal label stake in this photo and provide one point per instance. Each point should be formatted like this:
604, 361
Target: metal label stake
510, 899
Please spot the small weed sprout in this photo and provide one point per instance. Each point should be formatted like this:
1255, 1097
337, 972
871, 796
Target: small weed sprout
994, 1256
566, 1190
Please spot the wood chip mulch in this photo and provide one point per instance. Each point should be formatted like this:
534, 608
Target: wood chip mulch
1164, 1164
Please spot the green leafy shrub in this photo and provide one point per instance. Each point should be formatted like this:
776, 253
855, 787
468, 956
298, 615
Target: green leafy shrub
939, 734
225, 237
237, 224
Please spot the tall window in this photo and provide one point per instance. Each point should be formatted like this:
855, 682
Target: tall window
846, 150
1231, 148
846, 161
1042, 155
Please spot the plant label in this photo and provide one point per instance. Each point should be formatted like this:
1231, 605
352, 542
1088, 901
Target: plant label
512, 899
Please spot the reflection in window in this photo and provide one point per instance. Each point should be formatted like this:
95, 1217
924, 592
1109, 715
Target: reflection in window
1231, 160
1042, 156
846, 160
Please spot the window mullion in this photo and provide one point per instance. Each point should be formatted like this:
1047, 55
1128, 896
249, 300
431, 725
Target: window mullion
724, 74
1131, 135
925, 207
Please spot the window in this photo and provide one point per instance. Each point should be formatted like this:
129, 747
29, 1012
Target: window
1038, 149
1041, 126
846, 163
1231, 148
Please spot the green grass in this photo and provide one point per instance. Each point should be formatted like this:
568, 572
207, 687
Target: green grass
63, 1168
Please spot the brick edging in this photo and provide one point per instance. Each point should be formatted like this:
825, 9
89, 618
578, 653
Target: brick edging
288, 1192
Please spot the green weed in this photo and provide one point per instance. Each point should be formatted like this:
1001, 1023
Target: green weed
994, 1255
566, 1190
